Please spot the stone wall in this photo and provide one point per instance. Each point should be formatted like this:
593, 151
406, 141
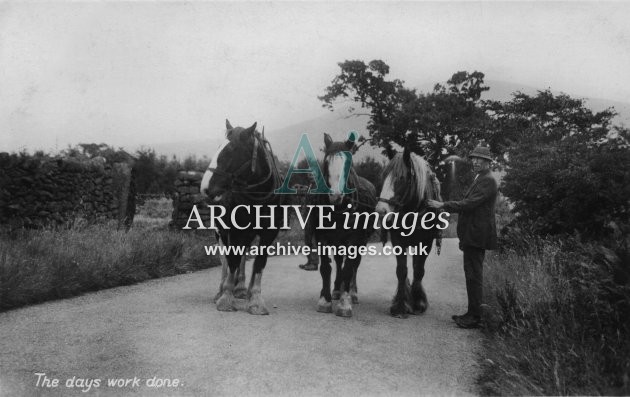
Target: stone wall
187, 194
40, 192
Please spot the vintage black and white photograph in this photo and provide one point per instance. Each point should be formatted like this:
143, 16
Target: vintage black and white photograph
295, 198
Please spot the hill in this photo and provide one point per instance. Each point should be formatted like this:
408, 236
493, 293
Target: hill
338, 123
284, 141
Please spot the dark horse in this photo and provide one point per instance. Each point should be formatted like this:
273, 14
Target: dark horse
243, 172
362, 199
408, 183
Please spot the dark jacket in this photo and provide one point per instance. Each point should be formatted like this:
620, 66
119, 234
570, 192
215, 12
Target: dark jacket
476, 225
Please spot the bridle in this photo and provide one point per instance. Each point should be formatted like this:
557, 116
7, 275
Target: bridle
399, 204
237, 178
352, 198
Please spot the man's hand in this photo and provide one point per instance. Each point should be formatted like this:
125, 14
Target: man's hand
435, 204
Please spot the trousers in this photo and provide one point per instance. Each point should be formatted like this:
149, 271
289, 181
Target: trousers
309, 240
473, 269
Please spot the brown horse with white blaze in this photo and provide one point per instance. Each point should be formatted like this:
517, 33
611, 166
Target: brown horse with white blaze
362, 198
243, 172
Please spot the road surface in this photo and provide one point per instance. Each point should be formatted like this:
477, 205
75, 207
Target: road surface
170, 329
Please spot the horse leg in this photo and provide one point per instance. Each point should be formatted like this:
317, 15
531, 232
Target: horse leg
224, 274
338, 287
240, 292
400, 305
256, 304
226, 302
418, 295
354, 292
324, 305
344, 308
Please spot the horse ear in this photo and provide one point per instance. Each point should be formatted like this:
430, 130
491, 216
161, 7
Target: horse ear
250, 130
351, 142
407, 157
228, 126
327, 140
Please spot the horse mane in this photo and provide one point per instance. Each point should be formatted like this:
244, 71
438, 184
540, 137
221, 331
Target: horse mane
235, 133
419, 167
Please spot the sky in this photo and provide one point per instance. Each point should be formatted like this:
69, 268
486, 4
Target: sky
133, 74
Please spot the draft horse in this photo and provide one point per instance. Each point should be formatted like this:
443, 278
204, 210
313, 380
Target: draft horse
408, 183
362, 199
243, 172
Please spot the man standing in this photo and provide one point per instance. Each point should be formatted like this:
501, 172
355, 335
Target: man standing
312, 261
476, 229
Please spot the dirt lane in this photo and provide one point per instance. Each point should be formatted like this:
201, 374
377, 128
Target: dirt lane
169, 328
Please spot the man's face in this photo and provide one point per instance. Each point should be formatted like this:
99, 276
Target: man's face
480, 164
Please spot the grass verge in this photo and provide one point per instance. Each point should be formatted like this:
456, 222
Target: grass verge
558, 319
41, 265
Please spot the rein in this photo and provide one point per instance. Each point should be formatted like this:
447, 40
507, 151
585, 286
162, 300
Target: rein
390, 201
422, 204
396, 203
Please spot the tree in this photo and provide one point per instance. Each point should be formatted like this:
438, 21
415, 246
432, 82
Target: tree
86, 151
544, 119
146, 170
371, 170
450, 120
567, 168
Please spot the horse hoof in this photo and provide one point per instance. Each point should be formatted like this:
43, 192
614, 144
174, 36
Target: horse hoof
420, 307
217, 297
257, 306
399, 310
336, 295
226, 303
323, 306
257, 310
399, 315
343, 312
344, 308
240, 293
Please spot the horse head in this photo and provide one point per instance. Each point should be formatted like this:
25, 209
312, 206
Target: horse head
338, 165
238, 163
407, 183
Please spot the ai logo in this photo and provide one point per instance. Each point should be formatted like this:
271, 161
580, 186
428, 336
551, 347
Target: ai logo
314, 170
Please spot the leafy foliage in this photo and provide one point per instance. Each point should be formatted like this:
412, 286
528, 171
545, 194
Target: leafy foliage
449, 120
371, 170
544, 119
567, 169
86, 151
154, 174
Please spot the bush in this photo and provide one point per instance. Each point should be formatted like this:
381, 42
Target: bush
567, 169
570, 186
